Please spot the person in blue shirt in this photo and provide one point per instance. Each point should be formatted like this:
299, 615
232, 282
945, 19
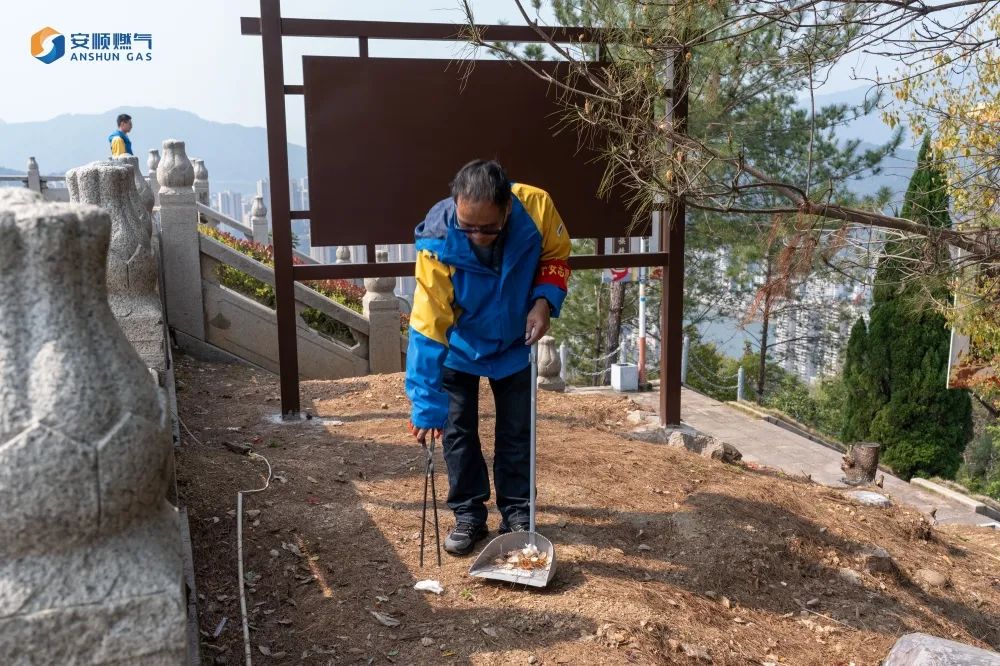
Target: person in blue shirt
120, 144
491, 269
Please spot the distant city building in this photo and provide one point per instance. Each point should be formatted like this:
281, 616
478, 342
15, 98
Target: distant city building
229, 204
295, 194
810, 334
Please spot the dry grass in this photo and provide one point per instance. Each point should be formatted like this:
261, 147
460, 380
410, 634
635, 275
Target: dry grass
735, 564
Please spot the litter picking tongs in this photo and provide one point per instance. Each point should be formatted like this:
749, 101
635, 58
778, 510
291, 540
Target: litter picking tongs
429, 478
486, 565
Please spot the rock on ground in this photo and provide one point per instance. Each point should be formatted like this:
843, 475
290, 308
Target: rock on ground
927, 650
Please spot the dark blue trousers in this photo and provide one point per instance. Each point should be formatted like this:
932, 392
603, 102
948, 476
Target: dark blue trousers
468, 479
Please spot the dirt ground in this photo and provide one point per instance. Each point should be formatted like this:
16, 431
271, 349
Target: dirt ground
663, 557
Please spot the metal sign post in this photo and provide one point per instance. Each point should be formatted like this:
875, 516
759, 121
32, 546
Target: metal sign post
353, 133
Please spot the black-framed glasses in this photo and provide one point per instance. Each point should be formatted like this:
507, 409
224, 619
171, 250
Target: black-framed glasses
485, 230
491, 230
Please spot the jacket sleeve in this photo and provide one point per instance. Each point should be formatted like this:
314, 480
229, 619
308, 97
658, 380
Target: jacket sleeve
552, 278
117, 147
432, 317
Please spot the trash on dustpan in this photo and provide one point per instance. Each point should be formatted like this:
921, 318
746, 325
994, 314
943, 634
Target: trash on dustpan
429, 586
527, 558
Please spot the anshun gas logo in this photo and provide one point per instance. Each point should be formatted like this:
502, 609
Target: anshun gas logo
49, 45
56, 49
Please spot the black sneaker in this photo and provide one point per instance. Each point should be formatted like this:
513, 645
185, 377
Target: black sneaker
464, 537
516, 526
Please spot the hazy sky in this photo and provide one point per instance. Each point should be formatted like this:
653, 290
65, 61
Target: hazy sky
201, 62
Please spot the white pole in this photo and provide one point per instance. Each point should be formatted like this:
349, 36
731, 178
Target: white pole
685, 351
643, 272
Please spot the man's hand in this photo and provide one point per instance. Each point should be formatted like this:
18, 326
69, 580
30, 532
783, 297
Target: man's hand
538, 322
421, 433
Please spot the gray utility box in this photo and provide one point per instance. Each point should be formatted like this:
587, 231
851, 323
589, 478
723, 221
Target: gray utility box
624, 377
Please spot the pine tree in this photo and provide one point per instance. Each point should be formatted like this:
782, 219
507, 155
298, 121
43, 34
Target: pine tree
864, 397
922, 426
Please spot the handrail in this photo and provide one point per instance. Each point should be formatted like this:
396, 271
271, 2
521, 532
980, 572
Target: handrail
222, 218
308, 297
10, 178
210, 212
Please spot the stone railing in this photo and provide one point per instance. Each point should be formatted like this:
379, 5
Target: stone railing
214, 218
258, 232
91, 564
248, 329
36, 182
207, 316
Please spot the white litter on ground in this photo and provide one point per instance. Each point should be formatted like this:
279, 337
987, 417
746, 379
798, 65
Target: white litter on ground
429, 586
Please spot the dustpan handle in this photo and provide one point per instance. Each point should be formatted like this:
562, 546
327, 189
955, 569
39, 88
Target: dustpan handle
534, 418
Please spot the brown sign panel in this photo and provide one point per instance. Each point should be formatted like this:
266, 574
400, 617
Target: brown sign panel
386, 135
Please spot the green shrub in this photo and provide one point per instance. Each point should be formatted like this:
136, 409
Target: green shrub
347, 294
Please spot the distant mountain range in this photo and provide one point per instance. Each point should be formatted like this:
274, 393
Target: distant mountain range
236, 155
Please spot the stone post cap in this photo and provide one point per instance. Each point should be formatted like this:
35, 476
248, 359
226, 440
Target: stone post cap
154, 160
344, 254
258, 209
100, 181
380, 288
200, 172
142, 187
175, 173
83, 445
130, 160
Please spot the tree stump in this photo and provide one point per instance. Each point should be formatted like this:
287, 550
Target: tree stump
861, 463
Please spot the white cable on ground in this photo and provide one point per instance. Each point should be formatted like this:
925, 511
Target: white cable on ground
239, 553
184, 425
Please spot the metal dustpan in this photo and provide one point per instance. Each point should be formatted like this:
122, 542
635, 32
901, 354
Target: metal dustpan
486, 565
490, 563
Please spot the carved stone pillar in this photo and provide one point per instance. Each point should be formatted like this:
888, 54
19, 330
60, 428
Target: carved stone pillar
258, 221
151, 164
34, 176
141, 186
549, 365
131, 270
90, 556
200, 181
180, 241
382, 310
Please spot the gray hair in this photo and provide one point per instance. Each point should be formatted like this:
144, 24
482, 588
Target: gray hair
482, 180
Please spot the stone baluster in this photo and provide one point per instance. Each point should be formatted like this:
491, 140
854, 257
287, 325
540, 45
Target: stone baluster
34, 180
382, 310
131, 269
151, 164
343, 254
258, 221
180, 242
90, 551
200, 180
549, 365
141, 186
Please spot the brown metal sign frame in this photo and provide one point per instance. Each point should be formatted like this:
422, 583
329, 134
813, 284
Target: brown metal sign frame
271, 27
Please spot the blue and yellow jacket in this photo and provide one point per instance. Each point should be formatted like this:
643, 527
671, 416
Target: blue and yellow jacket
469, 317
120, 143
